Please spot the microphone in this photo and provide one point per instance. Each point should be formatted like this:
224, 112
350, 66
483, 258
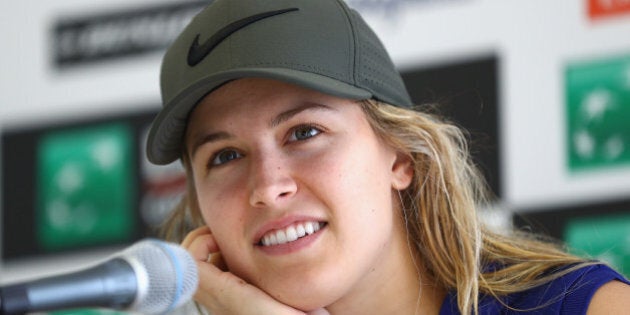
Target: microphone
149, 277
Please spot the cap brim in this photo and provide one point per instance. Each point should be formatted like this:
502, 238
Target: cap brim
165, 137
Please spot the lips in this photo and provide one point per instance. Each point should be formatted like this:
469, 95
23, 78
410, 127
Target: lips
290, 233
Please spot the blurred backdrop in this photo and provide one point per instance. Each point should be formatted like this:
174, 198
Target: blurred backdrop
542, 86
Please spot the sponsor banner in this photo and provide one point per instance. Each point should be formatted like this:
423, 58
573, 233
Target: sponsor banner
389, 5
605, 8
598, 111
85, 187
605, 238
91, 39
81, 184
597, 229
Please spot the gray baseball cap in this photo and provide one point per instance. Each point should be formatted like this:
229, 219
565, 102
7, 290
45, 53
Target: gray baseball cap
318, 44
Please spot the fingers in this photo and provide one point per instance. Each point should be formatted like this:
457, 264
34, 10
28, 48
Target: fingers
200, 243
221, 291
194, 234
224, 293
217, 260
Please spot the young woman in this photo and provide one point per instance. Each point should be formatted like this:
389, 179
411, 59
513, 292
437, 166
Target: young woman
315, 187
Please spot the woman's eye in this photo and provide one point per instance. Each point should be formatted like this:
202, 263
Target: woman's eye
224, 156
303, 133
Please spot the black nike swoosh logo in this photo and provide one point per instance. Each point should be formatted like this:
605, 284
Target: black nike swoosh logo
197, 52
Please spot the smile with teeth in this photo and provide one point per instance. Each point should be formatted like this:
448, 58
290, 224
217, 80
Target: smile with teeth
290, 233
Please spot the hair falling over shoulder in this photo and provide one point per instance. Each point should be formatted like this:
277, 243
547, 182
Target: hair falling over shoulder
440, 213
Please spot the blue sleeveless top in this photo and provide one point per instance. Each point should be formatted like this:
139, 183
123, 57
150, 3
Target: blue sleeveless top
569, 294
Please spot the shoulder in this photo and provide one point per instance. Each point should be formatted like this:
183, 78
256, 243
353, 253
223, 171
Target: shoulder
596, 288
611, 298
573, 292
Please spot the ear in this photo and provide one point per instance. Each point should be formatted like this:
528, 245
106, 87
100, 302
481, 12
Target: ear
402, 171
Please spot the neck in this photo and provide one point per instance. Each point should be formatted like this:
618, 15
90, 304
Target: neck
396, 285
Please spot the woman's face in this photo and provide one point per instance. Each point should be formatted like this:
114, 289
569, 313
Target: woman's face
297, 190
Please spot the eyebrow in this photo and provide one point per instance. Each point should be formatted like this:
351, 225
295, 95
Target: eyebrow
277, 120
211, 137
284, 116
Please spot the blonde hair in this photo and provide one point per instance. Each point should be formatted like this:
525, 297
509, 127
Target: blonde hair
440, 213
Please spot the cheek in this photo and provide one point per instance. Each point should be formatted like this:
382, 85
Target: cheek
222, 208
219, 206
355, 180
359, 173
211, 206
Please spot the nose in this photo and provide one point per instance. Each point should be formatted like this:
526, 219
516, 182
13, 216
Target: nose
271, 181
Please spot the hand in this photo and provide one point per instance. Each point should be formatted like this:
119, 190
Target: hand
222, 292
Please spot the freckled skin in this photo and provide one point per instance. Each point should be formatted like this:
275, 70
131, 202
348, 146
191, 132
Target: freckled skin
343, 175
